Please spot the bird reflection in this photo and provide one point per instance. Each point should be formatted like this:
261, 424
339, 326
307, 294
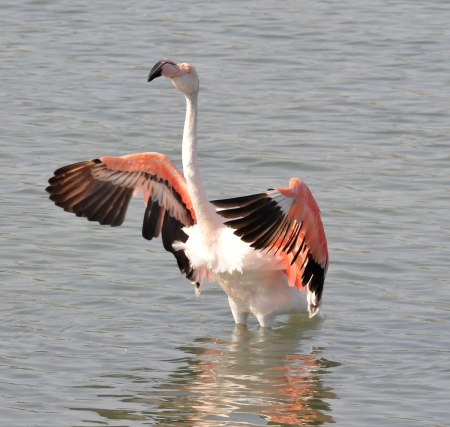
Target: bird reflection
255, 378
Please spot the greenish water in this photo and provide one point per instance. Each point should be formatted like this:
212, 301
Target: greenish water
99, 328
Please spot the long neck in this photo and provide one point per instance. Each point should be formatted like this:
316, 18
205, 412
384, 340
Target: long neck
204, 211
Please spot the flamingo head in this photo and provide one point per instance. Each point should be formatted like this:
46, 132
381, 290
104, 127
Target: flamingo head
183, 76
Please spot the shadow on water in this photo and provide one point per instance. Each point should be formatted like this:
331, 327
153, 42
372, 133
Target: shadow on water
255, 378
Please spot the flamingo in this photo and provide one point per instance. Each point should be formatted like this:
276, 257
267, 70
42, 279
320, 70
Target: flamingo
262, 249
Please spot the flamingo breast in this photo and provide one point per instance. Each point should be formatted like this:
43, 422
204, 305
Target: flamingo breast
254, 280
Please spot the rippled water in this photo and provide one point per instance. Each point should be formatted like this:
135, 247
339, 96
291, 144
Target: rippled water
99, 328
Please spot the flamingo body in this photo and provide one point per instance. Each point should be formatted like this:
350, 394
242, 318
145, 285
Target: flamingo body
262, 249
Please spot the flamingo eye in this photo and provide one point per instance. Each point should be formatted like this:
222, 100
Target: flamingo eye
188, 69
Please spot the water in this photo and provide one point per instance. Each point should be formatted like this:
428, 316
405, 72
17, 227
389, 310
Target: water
99, 328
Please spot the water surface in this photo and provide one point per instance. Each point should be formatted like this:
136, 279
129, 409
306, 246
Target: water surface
99, 328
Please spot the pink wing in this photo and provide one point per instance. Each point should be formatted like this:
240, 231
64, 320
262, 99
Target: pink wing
284, 221
101, 189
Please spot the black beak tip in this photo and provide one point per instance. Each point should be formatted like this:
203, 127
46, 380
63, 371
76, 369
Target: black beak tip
155, 71
152, 76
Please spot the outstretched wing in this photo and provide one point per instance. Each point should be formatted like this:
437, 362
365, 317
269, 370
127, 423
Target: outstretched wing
284, 221
101, 189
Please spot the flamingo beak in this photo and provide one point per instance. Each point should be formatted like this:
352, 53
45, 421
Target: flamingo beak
164, 67
156, 71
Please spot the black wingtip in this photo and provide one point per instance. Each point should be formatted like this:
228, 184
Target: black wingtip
237, 201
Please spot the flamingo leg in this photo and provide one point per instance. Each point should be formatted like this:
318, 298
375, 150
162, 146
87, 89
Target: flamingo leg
239, 316
265, 320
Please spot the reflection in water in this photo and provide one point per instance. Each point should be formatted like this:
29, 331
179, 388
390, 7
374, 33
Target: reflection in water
256, 378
